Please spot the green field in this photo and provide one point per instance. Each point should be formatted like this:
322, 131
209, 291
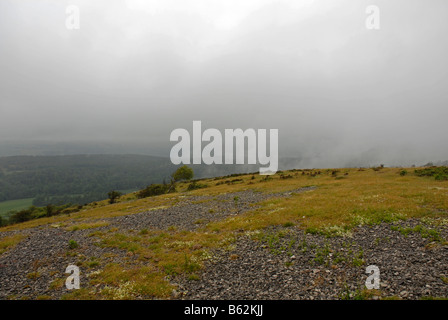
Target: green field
19, 204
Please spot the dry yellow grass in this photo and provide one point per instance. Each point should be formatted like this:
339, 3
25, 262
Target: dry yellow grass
359, 197
9, 242
91, 225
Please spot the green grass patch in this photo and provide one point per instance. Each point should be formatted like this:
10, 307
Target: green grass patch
72, 244
14, 205
439, 173
371, 216
84, 226
427, 233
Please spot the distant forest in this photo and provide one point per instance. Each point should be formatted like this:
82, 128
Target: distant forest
77, 179
80, 179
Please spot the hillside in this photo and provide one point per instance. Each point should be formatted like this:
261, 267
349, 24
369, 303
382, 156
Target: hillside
300, 234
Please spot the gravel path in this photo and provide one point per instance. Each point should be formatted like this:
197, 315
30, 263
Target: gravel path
194, 209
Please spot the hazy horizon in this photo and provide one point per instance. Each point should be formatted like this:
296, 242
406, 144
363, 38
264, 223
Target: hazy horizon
341, 95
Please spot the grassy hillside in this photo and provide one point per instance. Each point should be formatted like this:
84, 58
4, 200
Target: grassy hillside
330, 203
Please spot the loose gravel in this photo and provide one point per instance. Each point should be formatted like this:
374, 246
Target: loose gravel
194, 211
303, 266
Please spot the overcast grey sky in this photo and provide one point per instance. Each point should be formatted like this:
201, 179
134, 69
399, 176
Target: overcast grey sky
339, 94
